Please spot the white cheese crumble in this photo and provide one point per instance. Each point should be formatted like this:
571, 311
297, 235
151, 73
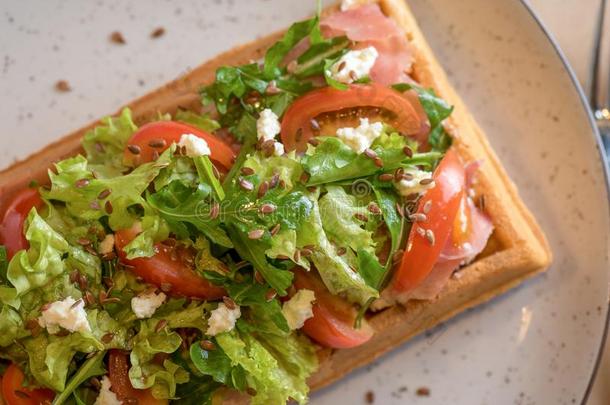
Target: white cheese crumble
68, 314
107, 245
267, 125
145, 305
354, 65
298, 309
194, 145
361, 137
413, 185
347, 4
222, 319
278, 149
106, 397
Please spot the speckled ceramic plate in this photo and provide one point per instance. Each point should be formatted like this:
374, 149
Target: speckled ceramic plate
536, 345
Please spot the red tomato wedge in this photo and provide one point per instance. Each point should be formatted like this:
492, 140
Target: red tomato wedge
15, 394
158, 136
396, 111
11, 226
332, 324
168, 268
118, 373
445, 198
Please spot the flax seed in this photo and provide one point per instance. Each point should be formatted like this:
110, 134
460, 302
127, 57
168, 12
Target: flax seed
386, 177
103, 194
374, 209
271, 294
430, 236
108, 207
378, 162
262, 189
400, 209
418, 217
160, 325
256, 234
297, 256
314, 124
214, 210
425, 182
207, 345
370, 153
157, 143
275, 229
107, 338
229, 303
246, 185
313, 141
134, 149
247, 171
81, 183
267, 208
427, 206
408, 151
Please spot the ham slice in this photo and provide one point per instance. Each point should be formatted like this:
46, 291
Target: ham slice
367, 26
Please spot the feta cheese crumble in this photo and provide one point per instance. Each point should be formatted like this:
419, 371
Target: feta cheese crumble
413, 185
194, 145
145, 305
107, 245
222, 319
347, 4
298, 309
361, 137
106, 397
267, 125
68, 314
354, 65
278, 149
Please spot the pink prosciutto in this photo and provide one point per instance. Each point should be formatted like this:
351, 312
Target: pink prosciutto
368, 26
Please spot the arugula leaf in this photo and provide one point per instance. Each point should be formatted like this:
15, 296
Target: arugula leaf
280, 49
312, 62
370, 269
92, 367
395, 223
198, 391
214, 363
180, 205
205, 169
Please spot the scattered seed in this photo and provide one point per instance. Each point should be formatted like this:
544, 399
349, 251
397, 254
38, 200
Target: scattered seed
62, 86
32, 324
166, 287
425, 182
272, 88
360, 216
207, 345
108, 282
95, 383
262, 189
104, 193
418, 217
291, 67
282, 184
258, 277
430, 236
83, 241
306, 252
482, 203
423, 392
313, 141
117, 38
341, 66
378, 162
247, 171
74, 276
407, 151
397, 256
81, 183
274, 181
22, 394
314, 124
251, 391
134, 149
386, 177
76, 303
398, 174
304, 178
400, 209
369, 397
312, 189
267, 208
214, 210
94, 205
353, 75
427, 206
282, 257
229, 303
297, 256
271, 294
374, 209
275, 229
246, 185
107, 338
157, 143
420, 231
299, 135
370, 153
89, 298
83, 283
158, 32
160, 325
256, 233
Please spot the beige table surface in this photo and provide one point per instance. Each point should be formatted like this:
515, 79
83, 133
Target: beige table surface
572, 24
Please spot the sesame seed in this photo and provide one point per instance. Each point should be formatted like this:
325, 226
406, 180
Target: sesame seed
160, 325
407, 151
418, 217
247, 171
103, 194
370, 153
430, 236
386, 177
246, 185
427, 206
134, 149
267, 208
207, 345
81, 183
157, 143
256, 233
229, 303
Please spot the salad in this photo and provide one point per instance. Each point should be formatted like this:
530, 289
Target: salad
211, 253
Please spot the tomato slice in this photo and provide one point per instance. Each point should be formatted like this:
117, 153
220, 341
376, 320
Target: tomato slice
11, 226
168, 269
445, 199
332, 324
15, 394
118, 373
375, 101
158, 136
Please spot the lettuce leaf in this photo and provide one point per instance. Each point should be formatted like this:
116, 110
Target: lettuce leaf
285, 244
11, 326
154, 230
200, 121
104, 144
90, 368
